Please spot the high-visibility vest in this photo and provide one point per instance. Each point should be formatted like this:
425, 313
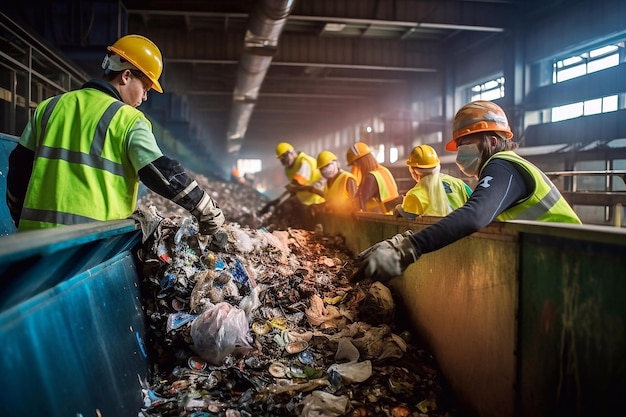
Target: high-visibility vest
545, 202
457, 191
337, 196
457, 194
305, 197
81, 172
387, 190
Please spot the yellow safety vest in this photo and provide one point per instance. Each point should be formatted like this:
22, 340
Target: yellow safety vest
81, 172
337, 196
387, 190
305, 197
457, 193
545, 202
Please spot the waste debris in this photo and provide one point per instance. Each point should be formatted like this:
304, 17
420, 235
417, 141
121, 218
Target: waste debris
268, 324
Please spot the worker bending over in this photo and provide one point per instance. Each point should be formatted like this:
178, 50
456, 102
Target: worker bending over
341, 186
81, 156
509, 188
378, 191
301, 171
434, 194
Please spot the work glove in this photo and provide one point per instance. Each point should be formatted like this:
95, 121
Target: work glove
387, 259
209, 215
220, 238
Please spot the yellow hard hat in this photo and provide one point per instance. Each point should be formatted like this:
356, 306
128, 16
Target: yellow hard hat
423, 156
282, 148
143, 54
478, 116
356, 151
325, 158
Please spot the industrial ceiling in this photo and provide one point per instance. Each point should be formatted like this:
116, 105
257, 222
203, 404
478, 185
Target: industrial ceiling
253, 73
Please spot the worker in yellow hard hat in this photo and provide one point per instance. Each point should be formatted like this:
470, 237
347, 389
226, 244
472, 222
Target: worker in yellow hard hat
341, 186
302, 173
378, 190
83, 153
434, 194
509, 188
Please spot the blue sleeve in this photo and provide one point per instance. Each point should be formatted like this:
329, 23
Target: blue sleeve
499, 186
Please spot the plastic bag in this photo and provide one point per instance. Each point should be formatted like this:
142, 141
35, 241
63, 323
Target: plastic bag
218, 331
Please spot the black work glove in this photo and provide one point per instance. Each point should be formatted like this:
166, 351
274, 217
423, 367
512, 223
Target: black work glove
209, 215
387, 259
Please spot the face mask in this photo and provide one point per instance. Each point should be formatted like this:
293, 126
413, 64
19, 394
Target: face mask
468, 159
329, 170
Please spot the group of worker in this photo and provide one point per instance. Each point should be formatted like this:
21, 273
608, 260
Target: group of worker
321, 182
370, 186
81, 157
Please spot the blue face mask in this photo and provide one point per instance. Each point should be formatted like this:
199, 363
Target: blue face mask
468, 159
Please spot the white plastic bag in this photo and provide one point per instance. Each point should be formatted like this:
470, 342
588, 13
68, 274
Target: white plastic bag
218, 331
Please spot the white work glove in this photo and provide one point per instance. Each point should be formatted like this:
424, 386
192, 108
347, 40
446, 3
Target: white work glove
387, 259
209, 215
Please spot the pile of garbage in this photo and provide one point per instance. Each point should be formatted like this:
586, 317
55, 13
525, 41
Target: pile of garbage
268, 324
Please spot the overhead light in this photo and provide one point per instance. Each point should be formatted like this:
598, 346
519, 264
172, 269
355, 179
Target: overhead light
334, 27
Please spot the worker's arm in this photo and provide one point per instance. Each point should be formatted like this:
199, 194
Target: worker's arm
18, 176
166, 177
367, 190
499, 186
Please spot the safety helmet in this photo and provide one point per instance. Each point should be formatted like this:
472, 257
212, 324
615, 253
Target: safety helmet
143, 54
282, 148
423, 156
478, 116
325, 158
356, 151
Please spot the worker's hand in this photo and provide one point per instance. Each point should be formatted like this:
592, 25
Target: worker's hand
387, 259
294, 187
209, 215
220, 238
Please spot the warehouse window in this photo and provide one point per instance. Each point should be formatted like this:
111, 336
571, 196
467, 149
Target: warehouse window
577, 66
249, 166
490, 90
585, 63
584, 108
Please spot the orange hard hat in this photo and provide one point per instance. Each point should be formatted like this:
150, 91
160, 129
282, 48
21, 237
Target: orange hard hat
478, 116
423, 156
356, 151
143, 54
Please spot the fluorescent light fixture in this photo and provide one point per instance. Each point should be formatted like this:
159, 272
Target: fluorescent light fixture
334, 27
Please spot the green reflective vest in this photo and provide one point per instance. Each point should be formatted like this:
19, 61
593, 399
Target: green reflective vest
545, 202
81, 172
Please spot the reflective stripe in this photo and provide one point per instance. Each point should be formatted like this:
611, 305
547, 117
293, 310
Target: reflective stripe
542, 207
51, 216
46, 116
93, 159
184, 193
488, 117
